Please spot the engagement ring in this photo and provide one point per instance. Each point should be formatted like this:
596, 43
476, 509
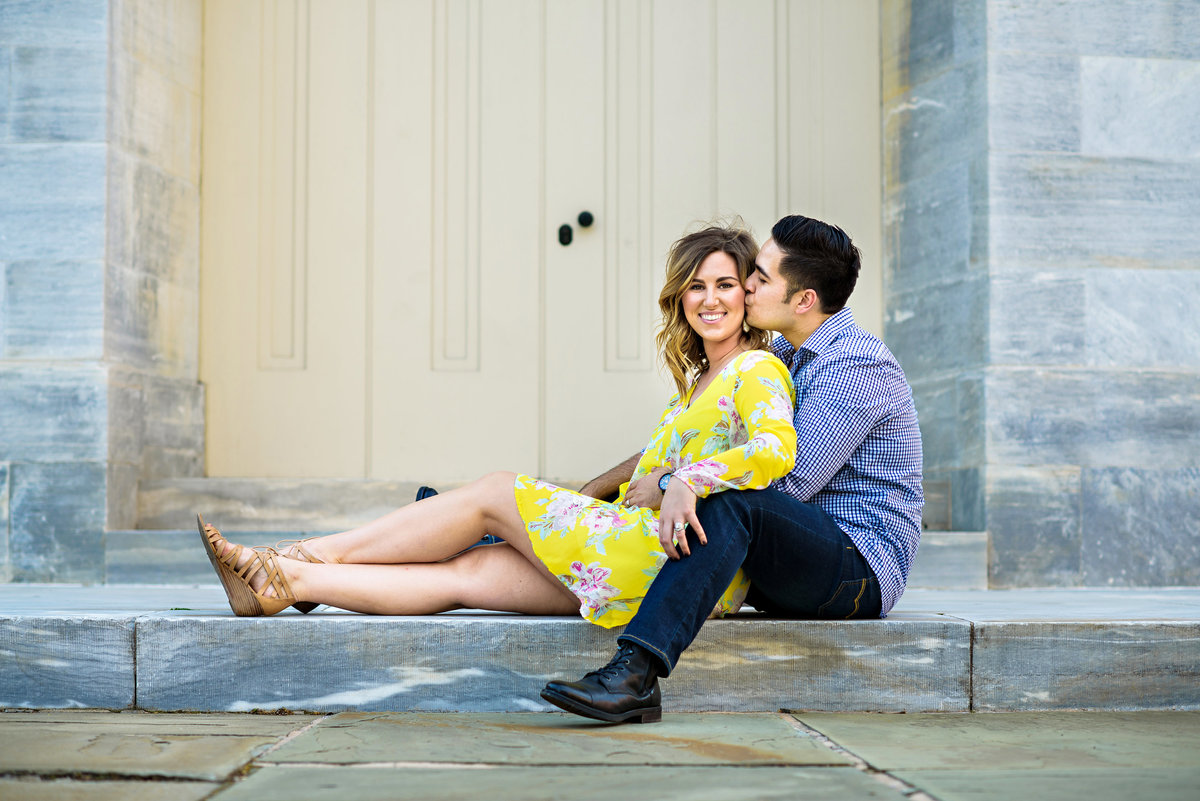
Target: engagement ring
679, 526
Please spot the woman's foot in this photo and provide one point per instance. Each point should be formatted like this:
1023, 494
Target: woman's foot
254, 578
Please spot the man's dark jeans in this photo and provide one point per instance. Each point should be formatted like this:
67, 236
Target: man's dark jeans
800, 564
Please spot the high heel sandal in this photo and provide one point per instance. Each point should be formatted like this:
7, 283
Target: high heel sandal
302, 554
244, 601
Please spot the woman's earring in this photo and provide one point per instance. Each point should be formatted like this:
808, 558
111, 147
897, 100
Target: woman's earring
745, 327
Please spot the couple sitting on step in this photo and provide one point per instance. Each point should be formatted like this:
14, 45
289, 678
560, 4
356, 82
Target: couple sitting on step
784, 473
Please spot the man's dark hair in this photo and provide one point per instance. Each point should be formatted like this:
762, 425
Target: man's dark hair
817, 256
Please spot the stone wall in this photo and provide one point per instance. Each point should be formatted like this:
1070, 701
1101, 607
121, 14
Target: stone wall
99, 247
152, 265
1077, 445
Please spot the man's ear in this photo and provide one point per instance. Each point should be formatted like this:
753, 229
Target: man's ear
804, 301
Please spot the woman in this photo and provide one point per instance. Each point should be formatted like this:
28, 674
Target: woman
729, 427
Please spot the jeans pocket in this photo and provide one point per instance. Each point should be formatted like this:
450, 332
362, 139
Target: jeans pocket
846, 601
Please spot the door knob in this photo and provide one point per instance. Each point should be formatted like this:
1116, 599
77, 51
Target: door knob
566, 234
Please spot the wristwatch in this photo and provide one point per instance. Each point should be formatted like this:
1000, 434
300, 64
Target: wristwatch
664, 481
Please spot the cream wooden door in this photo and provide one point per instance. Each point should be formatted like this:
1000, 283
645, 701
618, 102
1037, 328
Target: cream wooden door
384, 187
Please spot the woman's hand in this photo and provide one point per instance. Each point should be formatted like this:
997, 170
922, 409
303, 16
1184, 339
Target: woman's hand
678, 514
644, 492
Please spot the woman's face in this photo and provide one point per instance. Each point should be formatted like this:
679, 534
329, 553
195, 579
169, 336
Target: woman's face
714, 302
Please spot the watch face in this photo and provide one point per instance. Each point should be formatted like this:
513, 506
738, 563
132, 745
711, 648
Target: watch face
664, 481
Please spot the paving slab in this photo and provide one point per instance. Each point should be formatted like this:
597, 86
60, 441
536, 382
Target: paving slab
556, 739
1017, 740
1086, 665
34, 788
137, 744
505, 783
1160, 784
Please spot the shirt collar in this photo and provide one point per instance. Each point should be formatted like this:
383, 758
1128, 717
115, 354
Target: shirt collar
818, 340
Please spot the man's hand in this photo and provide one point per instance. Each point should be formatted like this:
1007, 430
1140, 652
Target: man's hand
645, 492
678, 507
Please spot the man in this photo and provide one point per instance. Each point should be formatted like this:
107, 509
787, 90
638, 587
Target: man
832, 539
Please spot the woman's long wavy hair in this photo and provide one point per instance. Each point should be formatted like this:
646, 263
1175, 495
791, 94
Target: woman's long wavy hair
680, 347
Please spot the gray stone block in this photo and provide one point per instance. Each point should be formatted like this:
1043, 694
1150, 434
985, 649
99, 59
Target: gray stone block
53, 414
175, 557
126, 417
51, 661
1142, 318
498, 663
1058, 301
1139, 527
940, 329
120, 497
154, 225
52, 310
1137, 28
151, 325
174, 428
5, 555
961, 496
936, 123
930, 224
1086, 665
921, 40
1033, 518
1098, 418
1033, 102
5, 92
1148, 108
154, 118
58, 521
951, 413
951, 560
52, 206
166, 36
1059, 211
59, 94
270, 504
63, 22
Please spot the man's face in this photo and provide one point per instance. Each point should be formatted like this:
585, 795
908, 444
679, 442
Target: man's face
767, 304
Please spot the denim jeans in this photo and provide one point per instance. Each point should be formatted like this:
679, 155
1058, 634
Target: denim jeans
800, 565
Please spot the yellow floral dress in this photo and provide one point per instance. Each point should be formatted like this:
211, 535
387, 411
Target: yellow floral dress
737, 434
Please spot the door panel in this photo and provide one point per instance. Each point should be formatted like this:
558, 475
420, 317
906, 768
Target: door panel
383, 290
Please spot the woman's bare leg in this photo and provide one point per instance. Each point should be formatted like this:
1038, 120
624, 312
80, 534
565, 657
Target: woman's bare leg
433, 529
489, 577
393, 564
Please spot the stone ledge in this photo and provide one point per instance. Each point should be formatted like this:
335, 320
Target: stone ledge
939, 651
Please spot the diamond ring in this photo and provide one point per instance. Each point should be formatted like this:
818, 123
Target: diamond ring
679, 525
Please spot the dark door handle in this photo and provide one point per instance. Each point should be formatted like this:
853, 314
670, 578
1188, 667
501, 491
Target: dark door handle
566, 234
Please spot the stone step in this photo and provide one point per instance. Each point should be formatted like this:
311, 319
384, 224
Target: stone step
270, 504
947, 560
180, 648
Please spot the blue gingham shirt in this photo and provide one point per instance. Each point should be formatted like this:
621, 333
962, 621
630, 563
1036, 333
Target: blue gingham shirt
858, 454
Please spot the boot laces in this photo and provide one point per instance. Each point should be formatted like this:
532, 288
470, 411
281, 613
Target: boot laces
616, 664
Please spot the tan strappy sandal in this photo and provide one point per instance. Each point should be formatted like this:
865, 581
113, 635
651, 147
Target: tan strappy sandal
294, 549
244, 601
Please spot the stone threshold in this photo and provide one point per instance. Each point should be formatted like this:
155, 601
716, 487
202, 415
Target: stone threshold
163, 648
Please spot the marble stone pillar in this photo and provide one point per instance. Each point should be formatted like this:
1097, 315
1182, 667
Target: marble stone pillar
1047, 155
99, 218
